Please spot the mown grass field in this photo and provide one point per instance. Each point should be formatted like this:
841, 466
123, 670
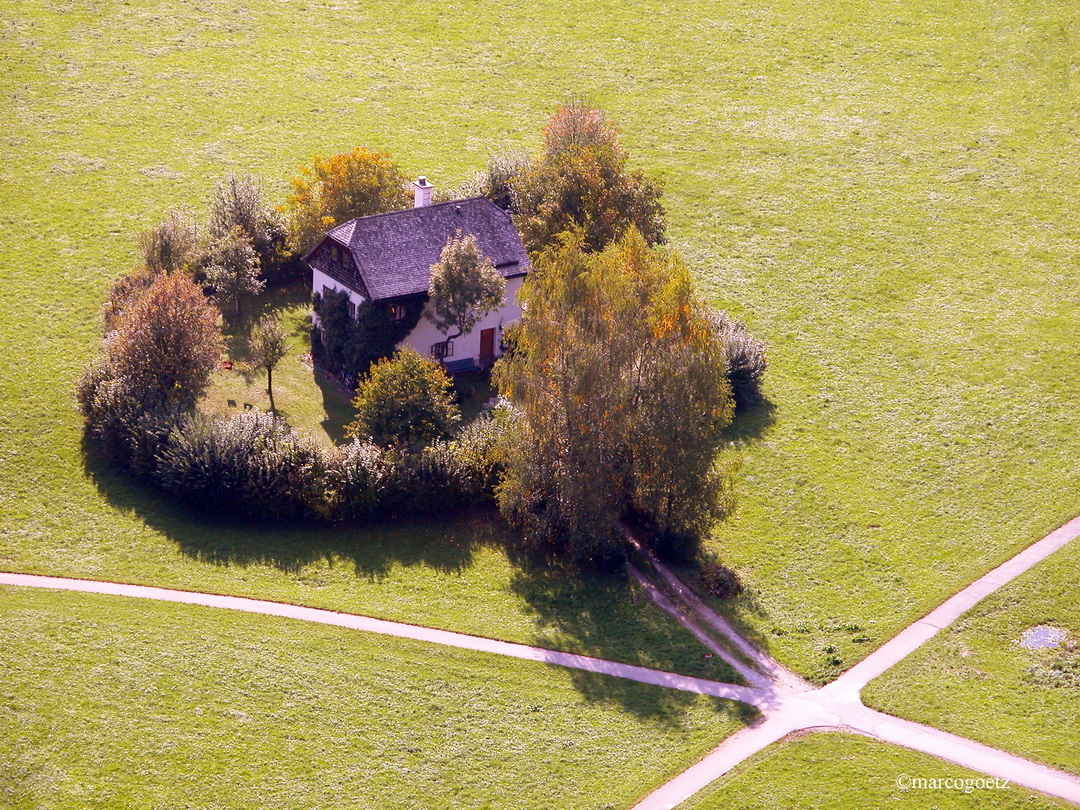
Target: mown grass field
885, 191
975, 679
155, 705
844, 771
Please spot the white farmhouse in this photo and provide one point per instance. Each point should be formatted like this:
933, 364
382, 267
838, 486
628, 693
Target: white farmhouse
386, 259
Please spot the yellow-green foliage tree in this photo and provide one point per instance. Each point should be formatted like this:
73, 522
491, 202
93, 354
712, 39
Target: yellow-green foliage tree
580, 182
339, 188
405, 400
239, 202
619, 378
268, 346
465, 286
234, 268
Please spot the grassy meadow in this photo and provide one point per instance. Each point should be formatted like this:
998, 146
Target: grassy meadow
975, 679
884, 191
827, 770
148, 707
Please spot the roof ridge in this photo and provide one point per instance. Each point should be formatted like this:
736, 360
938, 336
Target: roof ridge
421, 208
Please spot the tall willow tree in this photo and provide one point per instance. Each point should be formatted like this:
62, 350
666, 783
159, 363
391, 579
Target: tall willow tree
620, 381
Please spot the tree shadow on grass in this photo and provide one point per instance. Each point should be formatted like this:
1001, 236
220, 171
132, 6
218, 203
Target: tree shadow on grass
751, 424
236, 331
736, 610
289, 546
607, 615
600, 614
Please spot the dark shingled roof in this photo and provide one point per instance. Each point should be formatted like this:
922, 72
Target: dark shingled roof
393, 252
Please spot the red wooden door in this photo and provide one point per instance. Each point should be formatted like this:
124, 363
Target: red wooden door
487, 346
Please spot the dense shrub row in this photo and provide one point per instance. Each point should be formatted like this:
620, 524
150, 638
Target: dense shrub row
253, 464
363, 481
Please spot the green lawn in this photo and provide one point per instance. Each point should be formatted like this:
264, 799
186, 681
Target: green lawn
974, 678
884, 191
113, 702
310, 400
845, 771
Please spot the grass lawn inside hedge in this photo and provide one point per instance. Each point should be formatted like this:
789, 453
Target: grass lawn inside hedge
976, 679
310, 399
106, 701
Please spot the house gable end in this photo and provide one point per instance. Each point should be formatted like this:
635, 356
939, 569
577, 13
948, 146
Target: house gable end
336, 260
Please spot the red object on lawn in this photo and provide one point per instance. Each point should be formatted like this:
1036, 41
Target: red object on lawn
227, 365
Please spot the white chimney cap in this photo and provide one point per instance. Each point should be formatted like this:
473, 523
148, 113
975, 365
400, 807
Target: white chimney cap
422, 192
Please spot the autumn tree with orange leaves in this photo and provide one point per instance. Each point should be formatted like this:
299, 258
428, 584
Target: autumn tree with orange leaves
339, 188
619, 380
155, 365
168, 344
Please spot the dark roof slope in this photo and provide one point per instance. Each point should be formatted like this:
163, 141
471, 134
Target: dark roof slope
393, 252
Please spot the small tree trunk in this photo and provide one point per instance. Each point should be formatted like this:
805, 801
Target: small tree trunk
238, 306
270, 387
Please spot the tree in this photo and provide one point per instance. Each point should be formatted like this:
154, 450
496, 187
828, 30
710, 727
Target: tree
406, 399
341, 188
238, 202
171, 246
619, 378
495, 183
465, 286
124, 293
234, 271
580, 182
166, 346
268, 347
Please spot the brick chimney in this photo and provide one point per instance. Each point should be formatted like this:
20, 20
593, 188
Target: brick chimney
422, 192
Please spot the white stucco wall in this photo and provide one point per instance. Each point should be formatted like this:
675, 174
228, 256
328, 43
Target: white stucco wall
425, 335
320, 280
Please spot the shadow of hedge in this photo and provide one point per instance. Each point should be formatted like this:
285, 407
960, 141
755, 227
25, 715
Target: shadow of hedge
592, 613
